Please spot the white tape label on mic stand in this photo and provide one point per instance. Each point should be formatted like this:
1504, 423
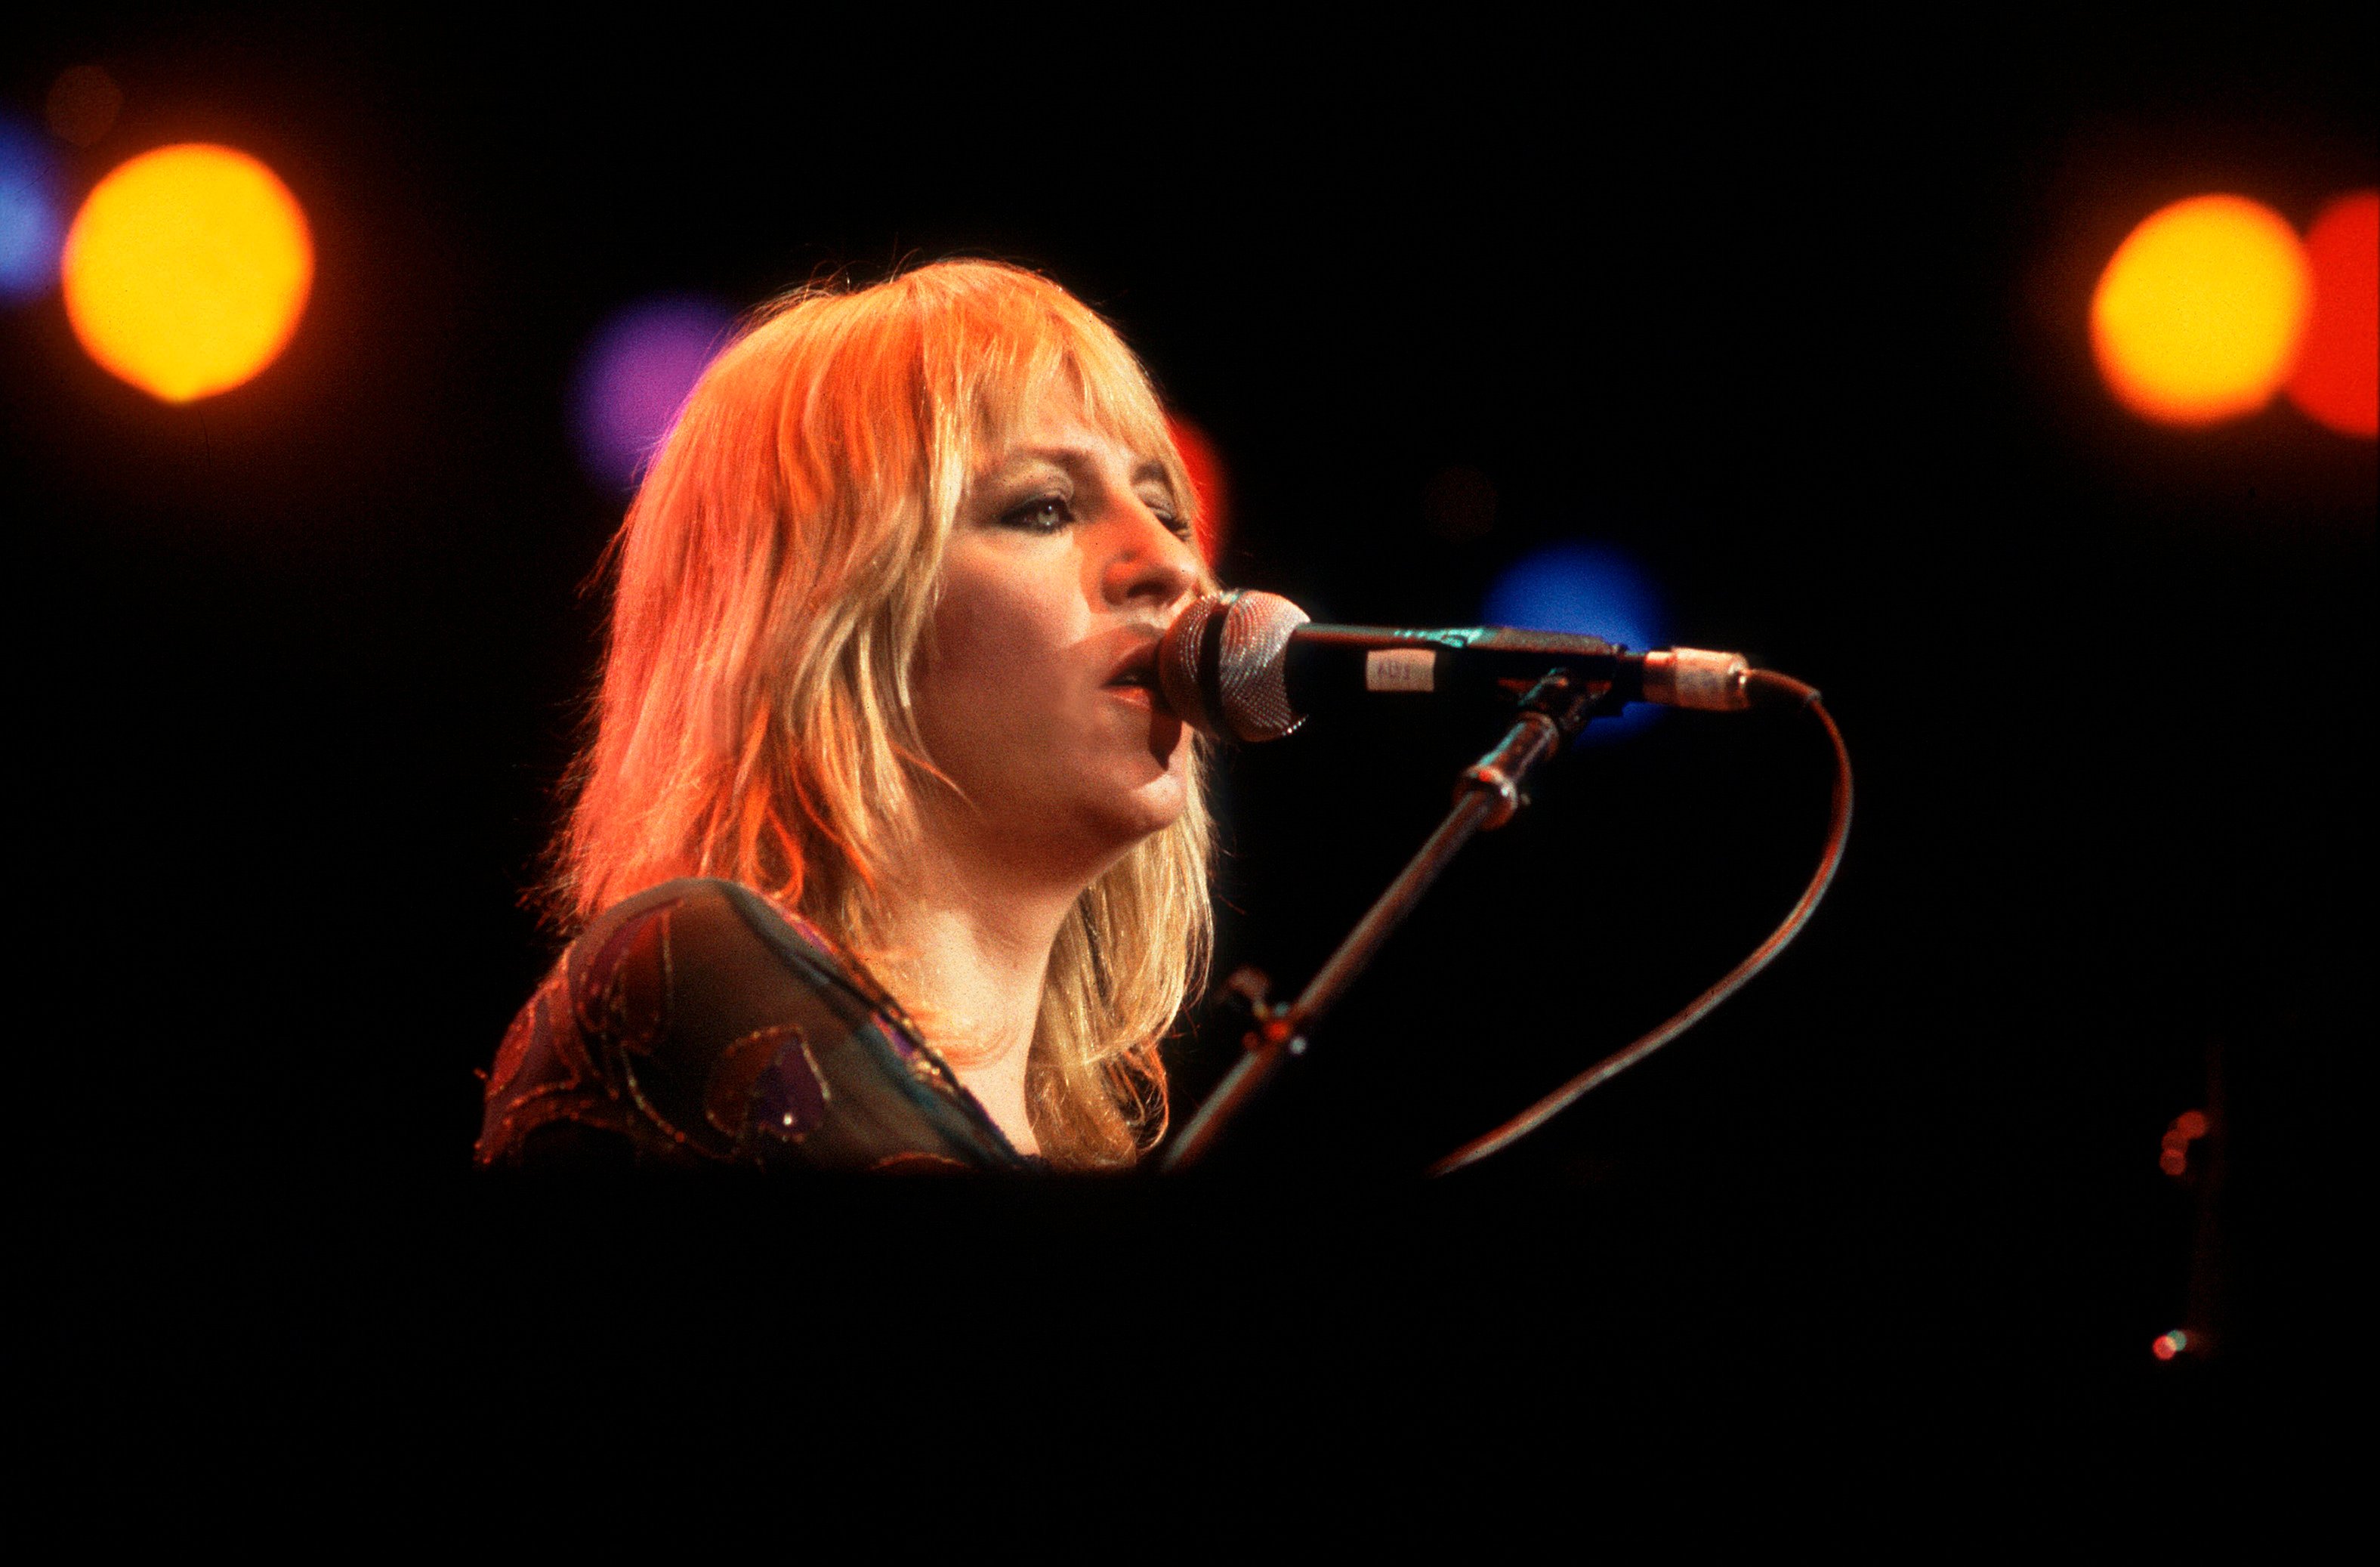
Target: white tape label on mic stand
1401, 669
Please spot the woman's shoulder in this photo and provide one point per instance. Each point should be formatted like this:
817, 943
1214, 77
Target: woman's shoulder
698, 1023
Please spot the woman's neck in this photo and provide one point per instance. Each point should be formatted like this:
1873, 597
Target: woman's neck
969, 958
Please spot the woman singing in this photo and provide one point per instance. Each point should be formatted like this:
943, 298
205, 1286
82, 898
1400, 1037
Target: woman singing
884, 851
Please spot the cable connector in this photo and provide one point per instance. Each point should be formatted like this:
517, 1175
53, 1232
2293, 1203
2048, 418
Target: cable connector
1698, 678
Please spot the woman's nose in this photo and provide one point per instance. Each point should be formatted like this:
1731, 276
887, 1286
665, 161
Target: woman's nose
1152, 563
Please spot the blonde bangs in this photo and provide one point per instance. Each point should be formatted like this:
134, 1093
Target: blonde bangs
1009, 349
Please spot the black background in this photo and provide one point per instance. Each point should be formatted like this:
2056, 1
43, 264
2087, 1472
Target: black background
1796, 317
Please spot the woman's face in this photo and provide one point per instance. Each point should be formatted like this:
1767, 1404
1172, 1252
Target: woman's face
1038, 694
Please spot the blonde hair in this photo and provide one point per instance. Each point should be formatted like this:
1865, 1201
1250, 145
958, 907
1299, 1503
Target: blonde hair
774, 578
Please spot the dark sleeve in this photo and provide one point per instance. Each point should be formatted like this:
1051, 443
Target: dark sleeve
691, 1026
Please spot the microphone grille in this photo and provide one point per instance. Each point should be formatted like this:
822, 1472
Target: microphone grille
1225, 665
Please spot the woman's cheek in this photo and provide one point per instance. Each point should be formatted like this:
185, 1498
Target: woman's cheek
1002, 635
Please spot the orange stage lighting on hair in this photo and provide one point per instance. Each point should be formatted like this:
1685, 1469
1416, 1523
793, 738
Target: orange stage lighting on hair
186, 270
2338, 379
1206, 465
2198, 315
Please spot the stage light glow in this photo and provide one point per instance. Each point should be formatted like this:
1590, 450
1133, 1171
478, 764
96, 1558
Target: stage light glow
1207, 477
2191, 1124
31, 213
186, 270
2199, 314
82, 104
1460, 503
634, 376
2167, 1345
1588, 588
2338, 379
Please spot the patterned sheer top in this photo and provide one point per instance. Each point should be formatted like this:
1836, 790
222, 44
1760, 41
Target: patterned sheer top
696, 1025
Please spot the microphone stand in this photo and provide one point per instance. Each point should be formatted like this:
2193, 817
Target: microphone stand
1488, 795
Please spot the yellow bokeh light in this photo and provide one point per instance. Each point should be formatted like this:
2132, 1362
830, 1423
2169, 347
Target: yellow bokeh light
2199, 314
186, 269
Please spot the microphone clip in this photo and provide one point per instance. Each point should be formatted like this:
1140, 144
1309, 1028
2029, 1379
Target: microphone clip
1551, 715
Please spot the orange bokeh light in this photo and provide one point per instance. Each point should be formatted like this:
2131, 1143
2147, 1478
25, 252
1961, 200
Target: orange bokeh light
1206, 465
2198, 315
2338, 377
186, 269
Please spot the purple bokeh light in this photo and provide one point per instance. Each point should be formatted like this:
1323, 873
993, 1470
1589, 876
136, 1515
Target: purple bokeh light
634, 378
32, 218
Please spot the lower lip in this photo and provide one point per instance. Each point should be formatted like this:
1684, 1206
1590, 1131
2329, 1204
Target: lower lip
1138, 696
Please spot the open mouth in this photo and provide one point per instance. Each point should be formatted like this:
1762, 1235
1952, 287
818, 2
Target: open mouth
1140, 674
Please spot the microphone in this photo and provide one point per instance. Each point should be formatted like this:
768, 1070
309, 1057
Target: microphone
1244, 665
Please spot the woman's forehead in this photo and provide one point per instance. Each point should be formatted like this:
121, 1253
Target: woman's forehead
1062, 427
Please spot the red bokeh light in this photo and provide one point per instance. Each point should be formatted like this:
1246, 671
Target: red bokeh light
2337, 382
1206, 465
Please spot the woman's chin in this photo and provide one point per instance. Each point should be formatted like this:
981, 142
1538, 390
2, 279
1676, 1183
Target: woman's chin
1153, 807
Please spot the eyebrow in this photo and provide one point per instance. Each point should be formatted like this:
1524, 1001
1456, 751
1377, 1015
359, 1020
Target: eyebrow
1142, 471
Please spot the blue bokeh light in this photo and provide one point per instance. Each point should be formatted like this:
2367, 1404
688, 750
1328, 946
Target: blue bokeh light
33, 220
1585, 588
634, 378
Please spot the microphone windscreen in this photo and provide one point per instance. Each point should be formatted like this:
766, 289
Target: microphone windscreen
1223, 665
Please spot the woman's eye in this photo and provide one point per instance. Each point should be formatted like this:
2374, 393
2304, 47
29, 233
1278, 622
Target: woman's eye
1161, 508
1043, 513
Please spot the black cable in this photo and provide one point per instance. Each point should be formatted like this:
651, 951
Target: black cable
1767, 685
